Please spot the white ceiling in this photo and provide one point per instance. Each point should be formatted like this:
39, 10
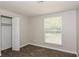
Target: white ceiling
32, 8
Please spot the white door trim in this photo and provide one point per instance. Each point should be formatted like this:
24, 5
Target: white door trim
16, 33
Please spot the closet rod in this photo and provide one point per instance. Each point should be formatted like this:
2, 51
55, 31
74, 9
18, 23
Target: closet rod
6, 16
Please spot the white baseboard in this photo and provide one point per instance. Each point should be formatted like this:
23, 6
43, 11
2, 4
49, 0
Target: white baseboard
50, 48
56, 49
24, 45
0, 53
78, 53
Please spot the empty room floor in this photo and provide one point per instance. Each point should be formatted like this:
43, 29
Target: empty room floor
35, 51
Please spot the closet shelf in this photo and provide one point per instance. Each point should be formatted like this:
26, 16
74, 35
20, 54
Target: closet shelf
5, 24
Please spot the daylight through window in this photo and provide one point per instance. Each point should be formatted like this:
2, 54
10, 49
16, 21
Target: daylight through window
53, 30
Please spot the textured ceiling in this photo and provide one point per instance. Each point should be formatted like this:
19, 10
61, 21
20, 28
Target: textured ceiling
32, 8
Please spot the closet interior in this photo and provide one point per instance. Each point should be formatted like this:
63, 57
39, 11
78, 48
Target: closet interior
6, 32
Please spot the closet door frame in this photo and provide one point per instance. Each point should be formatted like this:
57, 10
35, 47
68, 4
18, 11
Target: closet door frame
16, 33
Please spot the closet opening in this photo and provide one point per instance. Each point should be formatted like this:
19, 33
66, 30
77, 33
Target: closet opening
9, 33
6, 32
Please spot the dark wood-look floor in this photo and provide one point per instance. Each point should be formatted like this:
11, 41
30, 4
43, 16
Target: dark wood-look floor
35, 51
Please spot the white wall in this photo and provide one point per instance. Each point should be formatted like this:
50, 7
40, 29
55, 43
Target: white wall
24, 31
36, 31
78, 31
23, 25
0, 36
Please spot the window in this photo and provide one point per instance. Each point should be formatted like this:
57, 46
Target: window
53, 30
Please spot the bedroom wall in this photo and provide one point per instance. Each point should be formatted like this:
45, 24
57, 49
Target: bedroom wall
36, 31
78, 31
